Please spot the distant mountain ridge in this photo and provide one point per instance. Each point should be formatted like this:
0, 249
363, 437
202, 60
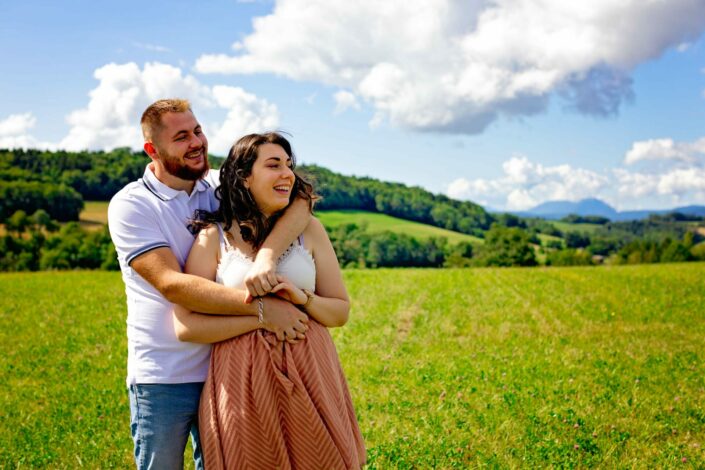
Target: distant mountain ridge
558, 209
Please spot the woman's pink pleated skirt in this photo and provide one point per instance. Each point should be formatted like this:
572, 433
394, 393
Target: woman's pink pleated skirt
272, 405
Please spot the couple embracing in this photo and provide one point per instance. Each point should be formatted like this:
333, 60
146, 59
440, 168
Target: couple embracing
194, 248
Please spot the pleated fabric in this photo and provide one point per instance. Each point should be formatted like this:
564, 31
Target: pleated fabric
273, 405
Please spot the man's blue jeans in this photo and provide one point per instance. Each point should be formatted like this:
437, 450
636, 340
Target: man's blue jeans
161, 418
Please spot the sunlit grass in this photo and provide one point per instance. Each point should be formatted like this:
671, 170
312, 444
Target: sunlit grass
564, 367
569, 227
94, 214
377, 222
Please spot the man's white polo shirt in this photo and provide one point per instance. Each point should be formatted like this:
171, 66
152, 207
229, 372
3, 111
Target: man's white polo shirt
145, 215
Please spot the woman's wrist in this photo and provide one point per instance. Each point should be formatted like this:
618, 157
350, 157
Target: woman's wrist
309, 298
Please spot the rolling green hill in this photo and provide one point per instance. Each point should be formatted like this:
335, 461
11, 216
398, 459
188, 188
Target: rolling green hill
377, 222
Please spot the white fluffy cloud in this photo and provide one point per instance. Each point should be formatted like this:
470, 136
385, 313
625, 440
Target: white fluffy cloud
677, 184
665, 149
17, 124
526, 184
246, 114
672, 173
15, 132
671, 170
345, 100
111, 118
455, 66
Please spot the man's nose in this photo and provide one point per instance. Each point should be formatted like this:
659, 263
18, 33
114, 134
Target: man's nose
195, 141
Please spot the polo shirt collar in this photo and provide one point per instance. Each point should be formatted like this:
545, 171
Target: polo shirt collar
165, 192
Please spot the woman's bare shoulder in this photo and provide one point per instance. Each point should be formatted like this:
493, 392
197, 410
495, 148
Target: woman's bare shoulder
315, 235
315, 228
209, 234
205, 253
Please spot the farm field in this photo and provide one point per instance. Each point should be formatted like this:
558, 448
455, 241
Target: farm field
570, 367
94, 214
568, 227
378, 222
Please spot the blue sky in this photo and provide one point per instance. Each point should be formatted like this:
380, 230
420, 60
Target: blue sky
508, 103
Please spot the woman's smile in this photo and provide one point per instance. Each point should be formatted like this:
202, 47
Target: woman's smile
272, 179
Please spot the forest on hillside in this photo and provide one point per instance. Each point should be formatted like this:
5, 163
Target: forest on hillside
42, 194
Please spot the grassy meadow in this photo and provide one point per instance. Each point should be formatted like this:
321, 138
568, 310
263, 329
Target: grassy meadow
570, 227
466, 368
377, 222
94, 215
94, 212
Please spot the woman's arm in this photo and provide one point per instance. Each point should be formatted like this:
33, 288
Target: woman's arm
200, 328
330, 304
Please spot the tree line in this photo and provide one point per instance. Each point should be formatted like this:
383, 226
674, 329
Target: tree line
397, 200
51, 186
97, 175
359, 248
657, 239
35, 242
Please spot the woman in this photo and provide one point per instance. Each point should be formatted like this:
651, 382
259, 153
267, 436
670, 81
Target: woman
271, 404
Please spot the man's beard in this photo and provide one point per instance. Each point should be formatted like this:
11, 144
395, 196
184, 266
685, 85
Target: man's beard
176, 168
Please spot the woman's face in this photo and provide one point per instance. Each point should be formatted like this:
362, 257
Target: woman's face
272, 179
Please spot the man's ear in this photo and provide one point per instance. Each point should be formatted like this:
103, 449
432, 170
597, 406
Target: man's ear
150, 150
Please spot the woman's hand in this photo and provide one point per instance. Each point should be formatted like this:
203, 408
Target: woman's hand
288, 291
283, 319
261, 277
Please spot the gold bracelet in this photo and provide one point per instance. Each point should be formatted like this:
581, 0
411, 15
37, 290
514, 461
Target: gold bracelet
260, 310
309, 298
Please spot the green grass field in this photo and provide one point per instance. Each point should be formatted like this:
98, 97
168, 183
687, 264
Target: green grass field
500, 368
378, 222
568, 227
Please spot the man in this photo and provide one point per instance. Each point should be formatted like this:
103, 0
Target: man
149, 223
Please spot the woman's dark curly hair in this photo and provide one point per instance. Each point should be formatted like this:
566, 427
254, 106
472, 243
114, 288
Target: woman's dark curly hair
236, 201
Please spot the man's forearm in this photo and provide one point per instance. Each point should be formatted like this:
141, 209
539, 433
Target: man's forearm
199, 328
294, 220
201, 295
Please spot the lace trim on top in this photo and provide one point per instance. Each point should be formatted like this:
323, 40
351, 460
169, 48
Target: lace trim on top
228, 252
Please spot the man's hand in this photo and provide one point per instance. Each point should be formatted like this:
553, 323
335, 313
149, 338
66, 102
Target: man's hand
262, 276
284, 320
